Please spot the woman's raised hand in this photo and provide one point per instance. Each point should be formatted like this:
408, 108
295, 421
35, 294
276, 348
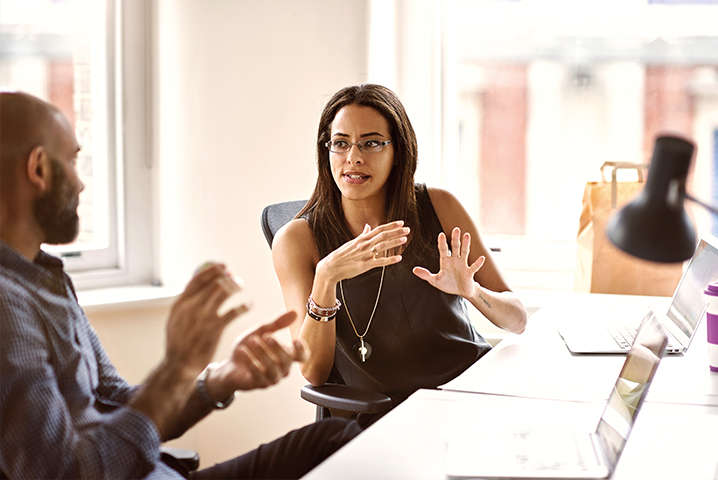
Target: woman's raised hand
455, 275
370, 249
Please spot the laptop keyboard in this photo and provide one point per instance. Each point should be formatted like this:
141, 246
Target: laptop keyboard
540, 449
624, 335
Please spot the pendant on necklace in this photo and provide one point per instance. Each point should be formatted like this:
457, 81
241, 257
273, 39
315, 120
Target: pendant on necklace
362, 350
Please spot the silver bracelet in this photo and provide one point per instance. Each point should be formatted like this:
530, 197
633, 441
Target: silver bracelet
202, 390
324, 312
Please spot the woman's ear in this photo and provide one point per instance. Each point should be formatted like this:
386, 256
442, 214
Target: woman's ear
39, 169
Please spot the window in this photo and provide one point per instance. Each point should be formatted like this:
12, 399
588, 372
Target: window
536, 95
88, 58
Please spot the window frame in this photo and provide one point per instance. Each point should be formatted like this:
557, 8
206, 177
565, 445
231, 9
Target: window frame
129, 84
527, 262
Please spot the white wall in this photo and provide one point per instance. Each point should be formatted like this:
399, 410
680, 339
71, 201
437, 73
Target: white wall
239, 86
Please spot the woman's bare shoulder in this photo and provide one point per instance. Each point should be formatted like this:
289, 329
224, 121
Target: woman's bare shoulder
447, 207
441, 198
295, 238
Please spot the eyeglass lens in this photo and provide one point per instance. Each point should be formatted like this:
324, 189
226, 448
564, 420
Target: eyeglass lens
366, 146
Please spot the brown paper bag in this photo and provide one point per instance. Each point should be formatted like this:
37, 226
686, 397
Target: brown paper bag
600, 266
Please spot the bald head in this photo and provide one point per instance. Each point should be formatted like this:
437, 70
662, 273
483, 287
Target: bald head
26, 122
39, 183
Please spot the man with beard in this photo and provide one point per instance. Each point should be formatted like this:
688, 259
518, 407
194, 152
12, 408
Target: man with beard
65, 412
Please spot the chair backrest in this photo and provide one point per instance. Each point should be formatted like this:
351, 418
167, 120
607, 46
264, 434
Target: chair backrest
327, 396
277, 215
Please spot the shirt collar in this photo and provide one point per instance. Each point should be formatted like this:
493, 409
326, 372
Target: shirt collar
44, 270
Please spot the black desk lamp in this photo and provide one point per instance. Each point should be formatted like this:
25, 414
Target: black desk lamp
655, 225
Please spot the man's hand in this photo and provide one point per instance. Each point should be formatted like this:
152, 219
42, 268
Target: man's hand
257, 360
195, 326
193, 332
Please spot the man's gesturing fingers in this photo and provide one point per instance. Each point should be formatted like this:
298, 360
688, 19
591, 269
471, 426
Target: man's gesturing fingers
195, 326
277, 324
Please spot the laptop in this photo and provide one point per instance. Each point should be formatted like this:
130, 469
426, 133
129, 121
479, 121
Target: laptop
688, 305
554, 453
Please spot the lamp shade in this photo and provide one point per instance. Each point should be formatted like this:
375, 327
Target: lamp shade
655, 225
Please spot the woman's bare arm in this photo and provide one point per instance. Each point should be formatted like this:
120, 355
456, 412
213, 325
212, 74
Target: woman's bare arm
489, 292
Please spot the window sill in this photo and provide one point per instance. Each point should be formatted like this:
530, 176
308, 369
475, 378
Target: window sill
125, 298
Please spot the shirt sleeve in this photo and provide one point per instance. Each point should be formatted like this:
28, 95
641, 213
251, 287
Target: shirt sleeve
50, 426
112, 388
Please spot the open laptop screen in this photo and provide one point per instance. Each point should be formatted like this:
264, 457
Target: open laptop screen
631, 387
688, 303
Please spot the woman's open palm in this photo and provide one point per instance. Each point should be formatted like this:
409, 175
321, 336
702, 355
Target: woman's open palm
455, 275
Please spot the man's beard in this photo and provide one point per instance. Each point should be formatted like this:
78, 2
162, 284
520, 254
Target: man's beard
56, 211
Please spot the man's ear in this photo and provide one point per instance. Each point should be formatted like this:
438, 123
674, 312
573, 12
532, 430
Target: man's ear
38, 169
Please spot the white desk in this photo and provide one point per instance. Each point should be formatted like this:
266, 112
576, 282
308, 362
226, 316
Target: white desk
410, 441
533, 378
537, 364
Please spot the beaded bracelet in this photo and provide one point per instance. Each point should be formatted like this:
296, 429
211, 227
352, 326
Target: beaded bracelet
324, 311
322, 314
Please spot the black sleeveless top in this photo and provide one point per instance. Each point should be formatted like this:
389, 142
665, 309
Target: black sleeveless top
420, 336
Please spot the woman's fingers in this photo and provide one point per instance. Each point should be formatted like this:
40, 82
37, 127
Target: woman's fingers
381, 234
460, 245
476, 266
387, 231
466, 245
387, 227
424, 274
456, 242
443, 246
386, 261
385, 237
379, 250
371, 249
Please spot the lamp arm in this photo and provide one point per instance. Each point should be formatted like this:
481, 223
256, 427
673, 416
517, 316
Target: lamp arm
708, 207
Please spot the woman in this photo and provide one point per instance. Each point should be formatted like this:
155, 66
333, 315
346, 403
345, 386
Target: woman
356, 263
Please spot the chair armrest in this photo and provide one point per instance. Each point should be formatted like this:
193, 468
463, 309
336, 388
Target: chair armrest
342, 397
186, 460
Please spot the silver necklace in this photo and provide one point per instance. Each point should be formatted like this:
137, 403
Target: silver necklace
362, 349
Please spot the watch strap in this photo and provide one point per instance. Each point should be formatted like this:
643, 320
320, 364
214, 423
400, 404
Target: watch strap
201, 387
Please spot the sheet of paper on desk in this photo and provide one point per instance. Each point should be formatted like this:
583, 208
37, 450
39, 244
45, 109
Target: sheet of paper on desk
536, 364
485, 443
503, 456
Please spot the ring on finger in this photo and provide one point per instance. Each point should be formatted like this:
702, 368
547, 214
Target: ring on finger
373, 250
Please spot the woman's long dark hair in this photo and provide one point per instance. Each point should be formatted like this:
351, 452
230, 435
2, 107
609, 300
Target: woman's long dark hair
324, 208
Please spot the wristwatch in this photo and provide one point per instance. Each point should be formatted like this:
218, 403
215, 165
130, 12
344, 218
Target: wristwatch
202, 390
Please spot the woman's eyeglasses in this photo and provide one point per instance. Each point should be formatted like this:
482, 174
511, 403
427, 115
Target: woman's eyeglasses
366, 146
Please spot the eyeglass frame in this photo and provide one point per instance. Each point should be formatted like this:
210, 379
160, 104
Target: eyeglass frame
359, 144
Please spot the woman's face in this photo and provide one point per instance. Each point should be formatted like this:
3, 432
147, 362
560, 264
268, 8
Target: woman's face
360, 175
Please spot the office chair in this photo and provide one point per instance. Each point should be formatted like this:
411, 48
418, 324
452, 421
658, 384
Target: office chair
182, 460
334, 398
